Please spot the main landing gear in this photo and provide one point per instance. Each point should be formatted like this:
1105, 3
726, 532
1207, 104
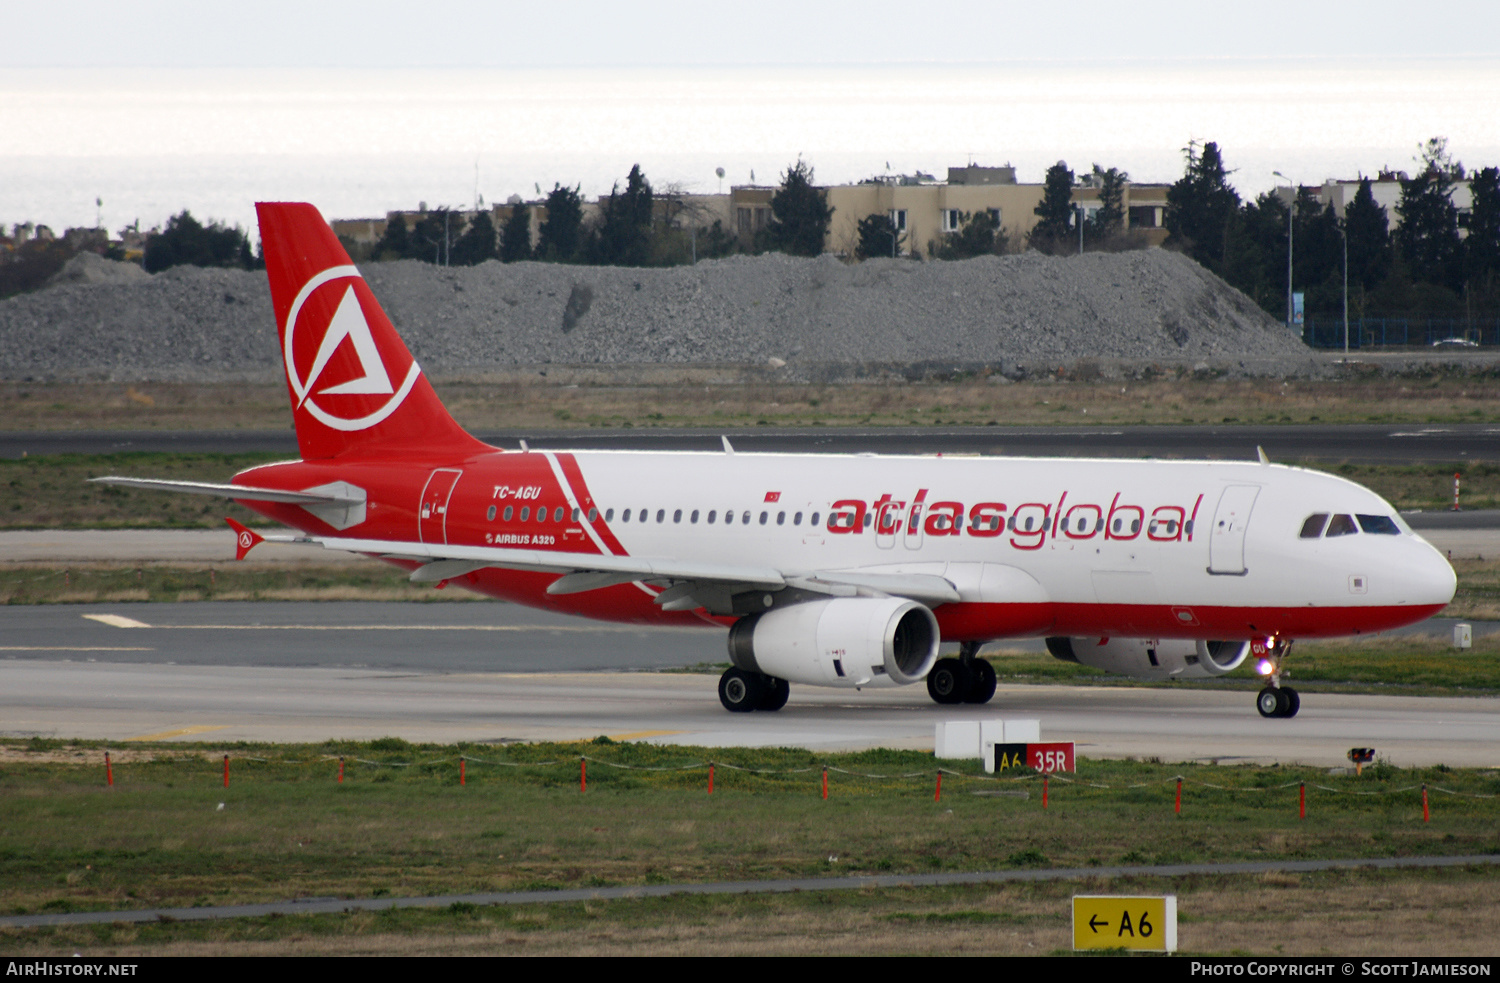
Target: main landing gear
1277, 700
966, 679
744, 692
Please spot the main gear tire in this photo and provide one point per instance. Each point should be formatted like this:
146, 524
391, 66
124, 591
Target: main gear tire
981, 682
740, 691
776, 693
948, 681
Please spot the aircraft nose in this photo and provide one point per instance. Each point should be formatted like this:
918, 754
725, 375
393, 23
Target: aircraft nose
1428, 578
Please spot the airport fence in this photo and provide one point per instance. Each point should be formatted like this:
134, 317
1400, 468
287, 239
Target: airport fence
1454, 333
825, 778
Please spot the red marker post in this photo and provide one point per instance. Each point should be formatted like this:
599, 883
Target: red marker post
1044, 790
825, 783
710, 778
1426, 816
583, 774
1301, 800
461, 770
109, 771
341, 770
226, 771
1179, 796
938, 795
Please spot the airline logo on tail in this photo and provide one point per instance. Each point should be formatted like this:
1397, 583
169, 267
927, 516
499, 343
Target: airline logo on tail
336, 370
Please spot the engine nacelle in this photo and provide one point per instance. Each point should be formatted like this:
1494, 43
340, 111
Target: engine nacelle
1152, 659
846, 641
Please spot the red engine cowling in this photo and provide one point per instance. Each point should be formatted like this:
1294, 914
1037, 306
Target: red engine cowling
1146, 658
847, 641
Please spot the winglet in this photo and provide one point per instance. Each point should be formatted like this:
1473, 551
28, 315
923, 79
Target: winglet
1261, 453
728, 447
245, 540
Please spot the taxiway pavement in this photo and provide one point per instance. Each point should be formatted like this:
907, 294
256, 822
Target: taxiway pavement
218, 671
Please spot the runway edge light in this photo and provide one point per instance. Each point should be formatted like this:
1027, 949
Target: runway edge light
1147, 923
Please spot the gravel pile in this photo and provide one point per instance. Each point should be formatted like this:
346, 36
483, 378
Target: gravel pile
190, 324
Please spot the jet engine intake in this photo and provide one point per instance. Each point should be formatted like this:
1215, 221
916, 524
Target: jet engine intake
1146, 658
846, 641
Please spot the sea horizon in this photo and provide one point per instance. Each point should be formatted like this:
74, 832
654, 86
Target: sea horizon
358, 142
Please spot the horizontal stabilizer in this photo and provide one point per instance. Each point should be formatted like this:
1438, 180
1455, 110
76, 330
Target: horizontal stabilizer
225, 490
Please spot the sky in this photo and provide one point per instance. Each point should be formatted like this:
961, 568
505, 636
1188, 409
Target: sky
467, 33
116, 112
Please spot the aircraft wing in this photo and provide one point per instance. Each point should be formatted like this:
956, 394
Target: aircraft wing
692, 583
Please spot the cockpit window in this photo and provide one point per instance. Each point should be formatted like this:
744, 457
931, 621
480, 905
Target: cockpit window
1380, 525
1341, 525
1313, 527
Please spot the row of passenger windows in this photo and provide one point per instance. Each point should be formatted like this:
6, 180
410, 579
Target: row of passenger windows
644, 515
1321, 524
1083, 525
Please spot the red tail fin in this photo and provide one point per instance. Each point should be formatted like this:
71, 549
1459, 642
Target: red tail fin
354, 386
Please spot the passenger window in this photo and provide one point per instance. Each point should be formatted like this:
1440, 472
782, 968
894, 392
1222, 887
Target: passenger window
1380, 525
508, 513
625, 516
745, 519
526, 514
490, 514
609, 515
645, 514
677, 516
661, 515
557, 514
712, 513
1313, 527
694, 517
728, 518
1341, 525
814, 520
593, 515
797, 519
541, 515
763, 517
575, 515
781, 518
867, 520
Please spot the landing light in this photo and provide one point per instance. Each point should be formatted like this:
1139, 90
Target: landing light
1263, 667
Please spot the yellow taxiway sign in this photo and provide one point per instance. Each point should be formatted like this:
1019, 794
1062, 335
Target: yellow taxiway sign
1109, 921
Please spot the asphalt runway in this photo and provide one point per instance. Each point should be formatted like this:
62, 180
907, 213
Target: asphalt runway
493, 673
1358, 443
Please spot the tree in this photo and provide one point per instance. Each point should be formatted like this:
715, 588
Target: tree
978, 235
560, 235
187, 241
1056, 210
1428, 233
1368, 230
623, 237
515, 238
477, 244
800, 215
394, 243
1482, 246
431, 240
1109, 220
878, 236
1201, 206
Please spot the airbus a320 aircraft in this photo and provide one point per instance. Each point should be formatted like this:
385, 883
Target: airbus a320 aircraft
829, 570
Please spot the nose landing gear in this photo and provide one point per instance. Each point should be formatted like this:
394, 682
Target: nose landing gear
1277, 700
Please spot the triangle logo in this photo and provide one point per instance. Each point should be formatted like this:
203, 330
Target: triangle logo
349, 322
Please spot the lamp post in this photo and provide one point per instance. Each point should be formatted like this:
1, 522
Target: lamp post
1291, 205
